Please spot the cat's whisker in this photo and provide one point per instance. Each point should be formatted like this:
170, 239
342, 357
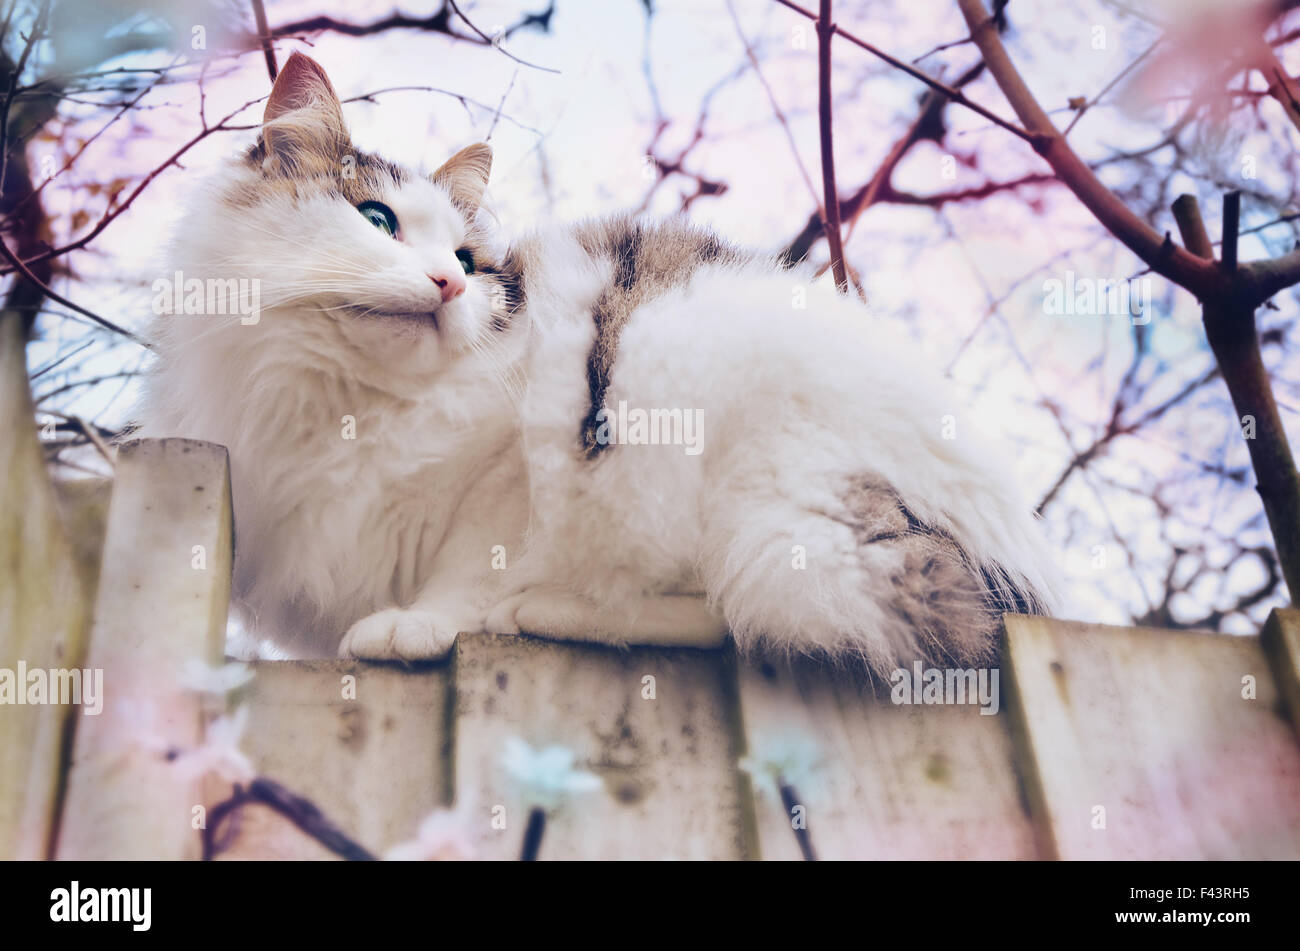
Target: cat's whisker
280, 236
218, 324
509, 377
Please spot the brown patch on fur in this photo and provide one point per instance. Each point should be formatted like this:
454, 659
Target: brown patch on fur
350, 174
304, 146
953, 605
877, 514
648, 260
940, 597
508, 276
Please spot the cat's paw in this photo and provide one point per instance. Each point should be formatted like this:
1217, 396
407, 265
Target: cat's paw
504, 618
400, 634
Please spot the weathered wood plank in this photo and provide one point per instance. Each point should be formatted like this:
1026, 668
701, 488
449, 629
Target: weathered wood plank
1281, 642
668, 765
878, 780
370, 752
1160, 730
163, 596
43, 613
83, 507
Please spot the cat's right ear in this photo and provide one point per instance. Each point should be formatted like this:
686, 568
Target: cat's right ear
303, 124
465, 175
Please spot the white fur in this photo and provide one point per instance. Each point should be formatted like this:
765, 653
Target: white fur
330, 530
383, 546
794, 401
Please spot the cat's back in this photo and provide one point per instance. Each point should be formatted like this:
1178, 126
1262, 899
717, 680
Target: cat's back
667, 313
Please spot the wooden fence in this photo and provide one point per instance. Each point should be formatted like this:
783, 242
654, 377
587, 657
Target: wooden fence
1110, 742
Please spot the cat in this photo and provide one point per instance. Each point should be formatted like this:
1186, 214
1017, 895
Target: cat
617, 431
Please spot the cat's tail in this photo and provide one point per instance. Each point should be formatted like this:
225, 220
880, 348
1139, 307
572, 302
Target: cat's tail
860, 573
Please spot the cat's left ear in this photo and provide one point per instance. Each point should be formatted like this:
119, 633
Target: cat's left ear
303, 125
465, 175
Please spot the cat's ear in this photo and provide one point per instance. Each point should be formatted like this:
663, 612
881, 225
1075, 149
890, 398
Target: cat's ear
465, 175
303, 120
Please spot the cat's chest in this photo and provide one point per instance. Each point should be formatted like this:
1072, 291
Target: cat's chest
345, 501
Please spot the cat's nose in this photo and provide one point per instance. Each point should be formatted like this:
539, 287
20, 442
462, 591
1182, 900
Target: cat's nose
450, 283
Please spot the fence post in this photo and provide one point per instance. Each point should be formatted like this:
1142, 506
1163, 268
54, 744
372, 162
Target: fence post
43, 613
1281, 640
163, 596
1151, 744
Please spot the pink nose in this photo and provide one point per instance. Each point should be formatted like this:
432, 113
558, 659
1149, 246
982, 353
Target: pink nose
450, 283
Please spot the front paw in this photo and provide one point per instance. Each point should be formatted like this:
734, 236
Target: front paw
503, 619
400, 634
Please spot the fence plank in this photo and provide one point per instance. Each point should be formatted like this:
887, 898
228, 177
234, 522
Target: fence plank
83, 506
667, 765
1158, 729
1281, 640
163, 595
877, 780
43, 613
370, 753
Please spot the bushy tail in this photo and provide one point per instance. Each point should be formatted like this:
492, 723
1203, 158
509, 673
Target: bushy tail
863, 577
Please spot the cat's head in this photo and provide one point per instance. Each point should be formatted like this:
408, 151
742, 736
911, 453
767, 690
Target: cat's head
353, 252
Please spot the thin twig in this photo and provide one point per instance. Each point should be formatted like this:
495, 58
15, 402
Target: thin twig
38, 28
464, 100
264, 34
956, 95
776, 107
490, 41
825, 32
533, 835
302, 812
790, 799
110, 215
58, 360
501, 105
26, 272
878, 187
1088, 104
95, 439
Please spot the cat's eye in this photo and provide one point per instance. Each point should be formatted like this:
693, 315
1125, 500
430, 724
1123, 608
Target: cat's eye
379, 215
466, 258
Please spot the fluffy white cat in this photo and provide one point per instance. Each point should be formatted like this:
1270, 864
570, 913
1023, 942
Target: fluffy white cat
621, 432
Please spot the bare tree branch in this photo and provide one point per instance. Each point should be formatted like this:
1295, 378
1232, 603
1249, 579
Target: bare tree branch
1229, 294
825, 32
